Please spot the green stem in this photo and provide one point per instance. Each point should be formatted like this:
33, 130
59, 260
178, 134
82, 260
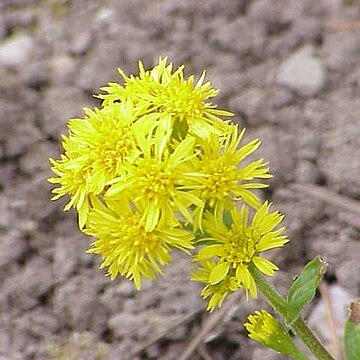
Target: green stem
299, 356
298, 326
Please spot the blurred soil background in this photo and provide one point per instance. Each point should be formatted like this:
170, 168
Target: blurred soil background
288, 69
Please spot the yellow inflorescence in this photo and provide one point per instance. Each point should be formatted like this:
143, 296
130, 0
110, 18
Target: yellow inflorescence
262, 326
233, 248
157, 164
127, 248
169, 97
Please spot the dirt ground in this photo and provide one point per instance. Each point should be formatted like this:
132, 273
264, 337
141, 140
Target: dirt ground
288, 69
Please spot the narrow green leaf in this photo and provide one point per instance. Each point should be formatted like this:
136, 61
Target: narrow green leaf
352, 333
302, 290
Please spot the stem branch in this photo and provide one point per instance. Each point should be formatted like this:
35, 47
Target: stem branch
298, 326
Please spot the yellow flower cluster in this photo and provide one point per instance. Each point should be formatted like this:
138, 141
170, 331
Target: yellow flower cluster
156, 168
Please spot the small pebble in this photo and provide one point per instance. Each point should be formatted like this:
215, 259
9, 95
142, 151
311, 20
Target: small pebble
16, 50
302, 72
81, 44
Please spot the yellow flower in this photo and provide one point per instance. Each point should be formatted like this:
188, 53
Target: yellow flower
95, 151
219, 291
125, 245
72, 175
109, 137
221, 179
265, 329
172, 99
152, 182
237, 244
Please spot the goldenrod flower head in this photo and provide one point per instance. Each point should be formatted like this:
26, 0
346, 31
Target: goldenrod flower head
95, 151
216, 292
264, 328
126, 247
169, 96
72, 174
221, 178
237, 245
153, 183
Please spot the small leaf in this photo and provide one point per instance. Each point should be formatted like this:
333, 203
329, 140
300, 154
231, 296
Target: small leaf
352, 333
302, 290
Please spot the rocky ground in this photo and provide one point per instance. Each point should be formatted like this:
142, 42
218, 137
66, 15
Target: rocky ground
289, 69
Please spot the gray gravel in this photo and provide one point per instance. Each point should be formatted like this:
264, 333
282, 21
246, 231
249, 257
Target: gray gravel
286, 69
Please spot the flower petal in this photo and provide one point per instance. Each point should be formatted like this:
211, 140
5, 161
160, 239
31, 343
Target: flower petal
265, 266
218, 273
209, 252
